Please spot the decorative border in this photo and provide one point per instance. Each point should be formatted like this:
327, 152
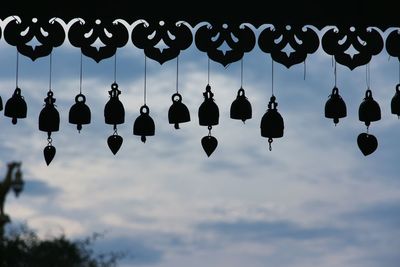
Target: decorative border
177, 36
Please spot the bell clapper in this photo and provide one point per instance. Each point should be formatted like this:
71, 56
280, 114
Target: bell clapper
270, 143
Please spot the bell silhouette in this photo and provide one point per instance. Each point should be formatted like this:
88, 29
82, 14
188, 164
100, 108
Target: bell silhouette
178, 112
208, 110
16, 106
144, 124
335, 107
241, 107
395, 103
79, 113
369, 109
49, 118
1, 104
114, 112
272, 122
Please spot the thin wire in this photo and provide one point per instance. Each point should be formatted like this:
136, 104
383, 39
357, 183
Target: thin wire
115, 67
272, 78
177, 73
51, 63
208, 71
17, 70
241, 73
305, 70
368, 76
335, 73
80, 78
145, 77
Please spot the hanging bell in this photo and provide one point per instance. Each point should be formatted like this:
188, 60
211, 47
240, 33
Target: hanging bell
79, 113
16, 106
208, 110
49, 118
335, 107
272, 122
144, 124
114, 112
395, 104
369, 109
178, 112
241, 107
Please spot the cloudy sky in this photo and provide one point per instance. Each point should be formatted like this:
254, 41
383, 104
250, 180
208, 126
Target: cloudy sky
314, 200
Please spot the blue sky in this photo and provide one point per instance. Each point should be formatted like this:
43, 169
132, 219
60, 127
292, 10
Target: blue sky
314, 200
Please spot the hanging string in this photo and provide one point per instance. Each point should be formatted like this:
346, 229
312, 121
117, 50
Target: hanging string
272, 78
115, 67
368, 76
208, 71
177, 71
335, 73
145, 74
80, 78
304, 70
17, 68
51, 63
241, 73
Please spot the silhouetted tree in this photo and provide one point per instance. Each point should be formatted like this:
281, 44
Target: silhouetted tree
23, 248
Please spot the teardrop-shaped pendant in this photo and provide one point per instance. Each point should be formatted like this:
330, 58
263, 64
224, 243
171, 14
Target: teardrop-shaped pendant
114, 143
49, 152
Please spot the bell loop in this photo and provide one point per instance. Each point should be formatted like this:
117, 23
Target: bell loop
176, 97
241, 92
335, 91
208, 95
17, 92
144, 110
368, 94
114, 92
272, 104
49, 100
80, 98
398, 87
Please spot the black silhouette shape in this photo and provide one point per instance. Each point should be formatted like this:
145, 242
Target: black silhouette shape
240, 39
144, 124
208, 116
114, 113
114, 143
302, 40
369, 109
49, 32
367, 42
367, 143
272, 124
209, 144
177, 36
335, 107
1, 104
395, 103
208, 110
241, 107
111, 33
16, 106
178, 112
79, 113
393, 44
49, 121
49, 152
